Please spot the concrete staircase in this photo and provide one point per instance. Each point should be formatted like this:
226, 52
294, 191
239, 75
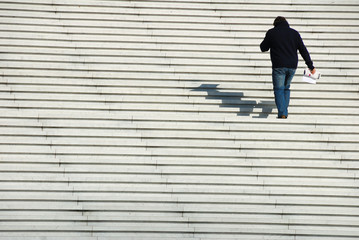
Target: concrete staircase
156, 120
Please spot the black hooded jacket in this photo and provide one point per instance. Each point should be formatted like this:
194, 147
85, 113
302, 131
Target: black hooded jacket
283, 43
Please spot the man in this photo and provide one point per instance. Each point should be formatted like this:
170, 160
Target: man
283, 43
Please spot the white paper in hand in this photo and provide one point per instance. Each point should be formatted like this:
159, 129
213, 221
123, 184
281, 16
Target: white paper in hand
311, 78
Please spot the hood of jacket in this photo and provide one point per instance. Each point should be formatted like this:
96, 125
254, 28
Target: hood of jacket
282, 24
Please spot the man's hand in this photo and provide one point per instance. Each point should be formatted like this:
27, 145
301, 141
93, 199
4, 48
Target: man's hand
313, 71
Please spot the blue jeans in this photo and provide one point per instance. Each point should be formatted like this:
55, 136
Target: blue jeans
281, 78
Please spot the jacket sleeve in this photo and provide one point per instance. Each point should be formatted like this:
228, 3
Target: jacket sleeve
265, 44
304, 53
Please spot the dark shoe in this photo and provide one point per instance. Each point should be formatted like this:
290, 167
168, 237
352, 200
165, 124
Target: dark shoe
283, 117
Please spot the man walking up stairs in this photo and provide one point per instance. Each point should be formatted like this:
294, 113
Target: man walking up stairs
284, 42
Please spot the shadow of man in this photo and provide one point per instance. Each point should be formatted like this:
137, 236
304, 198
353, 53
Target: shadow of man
234, 100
